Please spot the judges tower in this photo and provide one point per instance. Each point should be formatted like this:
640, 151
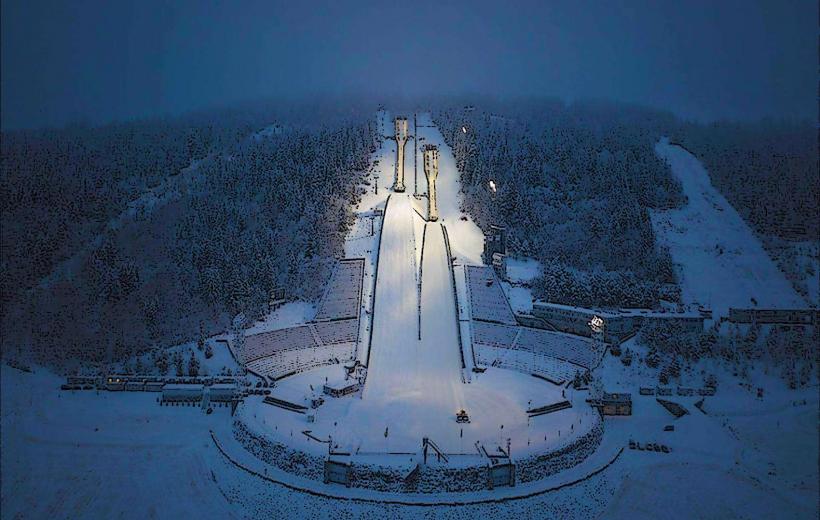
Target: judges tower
431, 172
401, 139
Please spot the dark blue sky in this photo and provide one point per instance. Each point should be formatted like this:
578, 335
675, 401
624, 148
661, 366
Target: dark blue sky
97, 61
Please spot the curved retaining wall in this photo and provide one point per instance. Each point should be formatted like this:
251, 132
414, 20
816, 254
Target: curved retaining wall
430, 479
279, 455
538, 467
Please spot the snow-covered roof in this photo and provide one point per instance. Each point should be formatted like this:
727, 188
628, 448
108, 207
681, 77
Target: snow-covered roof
182, 387
617, 313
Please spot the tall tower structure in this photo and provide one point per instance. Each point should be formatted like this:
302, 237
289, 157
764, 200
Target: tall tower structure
401, 140
431, 171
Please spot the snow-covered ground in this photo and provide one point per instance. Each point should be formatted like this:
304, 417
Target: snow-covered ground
497, 397
466, 238
414, 383
522, 270
112, 455
82, 455
745, 457
723, 263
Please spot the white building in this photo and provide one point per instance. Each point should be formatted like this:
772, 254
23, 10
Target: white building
617, 324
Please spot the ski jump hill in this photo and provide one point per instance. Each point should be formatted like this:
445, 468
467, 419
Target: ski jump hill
414, 362
403, 310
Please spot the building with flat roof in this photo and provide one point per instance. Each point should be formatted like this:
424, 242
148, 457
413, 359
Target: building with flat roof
613, 404
616, 324
182, 393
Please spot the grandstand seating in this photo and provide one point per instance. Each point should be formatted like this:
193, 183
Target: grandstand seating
574, 349
267, 343
341, 331
287, 362
331, 337
342, 297
493, 335
488, 302
550, 368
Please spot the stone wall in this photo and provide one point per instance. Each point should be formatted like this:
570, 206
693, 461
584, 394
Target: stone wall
430, 479
538, 467
279, 455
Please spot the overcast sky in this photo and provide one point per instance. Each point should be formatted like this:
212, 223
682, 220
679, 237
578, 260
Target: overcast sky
97, 61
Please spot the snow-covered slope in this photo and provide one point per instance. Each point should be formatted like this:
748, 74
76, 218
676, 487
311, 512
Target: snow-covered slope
405, 373
394, 344
466, 238
439, 371
723, 263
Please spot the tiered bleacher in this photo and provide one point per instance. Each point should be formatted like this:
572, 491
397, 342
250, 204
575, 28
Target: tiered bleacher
331, 338
574, 349
554, 356
487, 299
546, 367
493, 335
289, 362
340, 331
343, 295
269, 343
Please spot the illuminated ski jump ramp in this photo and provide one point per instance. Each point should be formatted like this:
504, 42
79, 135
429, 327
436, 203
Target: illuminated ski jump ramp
404, 372
394, 342
415, 378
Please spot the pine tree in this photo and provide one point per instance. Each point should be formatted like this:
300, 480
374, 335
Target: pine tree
193, 366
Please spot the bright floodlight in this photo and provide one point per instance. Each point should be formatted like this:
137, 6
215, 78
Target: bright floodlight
492, 186
596, 324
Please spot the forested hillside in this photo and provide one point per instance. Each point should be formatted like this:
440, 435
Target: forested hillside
124, 237
768, 171
574, 187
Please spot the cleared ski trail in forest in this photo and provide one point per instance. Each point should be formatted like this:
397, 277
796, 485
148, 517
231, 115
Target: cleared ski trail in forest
724, 264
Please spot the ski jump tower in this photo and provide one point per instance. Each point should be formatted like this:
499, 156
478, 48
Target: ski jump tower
431, 172
401, 140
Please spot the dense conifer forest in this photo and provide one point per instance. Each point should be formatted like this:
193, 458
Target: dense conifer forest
125, 237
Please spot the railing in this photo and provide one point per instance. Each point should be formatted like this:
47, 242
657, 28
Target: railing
375, 283
455, 296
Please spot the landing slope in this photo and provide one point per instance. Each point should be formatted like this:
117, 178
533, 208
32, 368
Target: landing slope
439, 368
394, 345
